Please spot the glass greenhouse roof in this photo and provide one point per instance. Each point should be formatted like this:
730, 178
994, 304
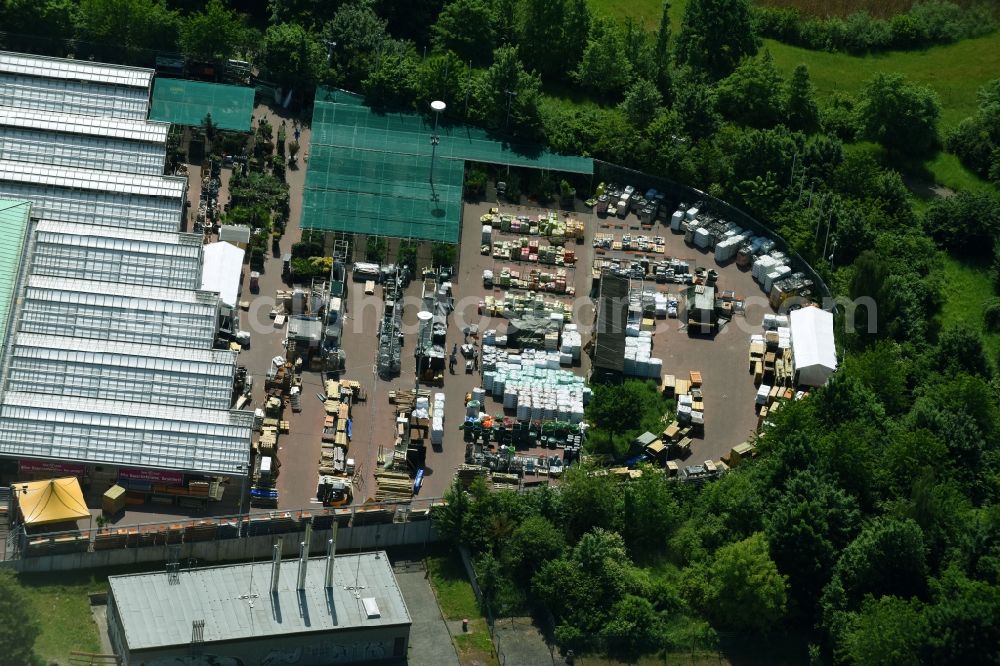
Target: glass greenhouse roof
74, 70
14, 219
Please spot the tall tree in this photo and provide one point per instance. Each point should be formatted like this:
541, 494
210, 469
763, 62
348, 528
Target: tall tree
576, 27
661, 51
751, 95
214, 33
802, 112
464, 26
900, 115
887, 632
292, 56
18, 625
745, 590
540, 36
359, 34
887, 558
604, 62
310, 14
642, 101
716, 35
508, 97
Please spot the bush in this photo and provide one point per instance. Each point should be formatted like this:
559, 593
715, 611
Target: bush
927, 23
375, 249
475, 183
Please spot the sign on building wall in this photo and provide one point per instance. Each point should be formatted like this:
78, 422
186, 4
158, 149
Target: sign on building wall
50, 467
151, 476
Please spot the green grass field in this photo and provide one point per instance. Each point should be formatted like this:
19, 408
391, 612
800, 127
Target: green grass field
966, 289
955, 71
458, 602
62, 607
646, 12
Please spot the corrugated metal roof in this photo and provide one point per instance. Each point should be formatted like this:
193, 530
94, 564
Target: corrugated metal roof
74, 70
236, 603
129, 130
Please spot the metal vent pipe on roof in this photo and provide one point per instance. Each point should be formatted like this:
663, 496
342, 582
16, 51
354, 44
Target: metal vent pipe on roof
275, 566
303, 559
331, 554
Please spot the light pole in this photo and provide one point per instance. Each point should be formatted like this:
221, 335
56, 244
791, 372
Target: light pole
511, 94
438, 106
424, 318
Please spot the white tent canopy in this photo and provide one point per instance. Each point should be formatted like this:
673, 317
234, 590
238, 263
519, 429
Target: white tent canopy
222, 271
813, 346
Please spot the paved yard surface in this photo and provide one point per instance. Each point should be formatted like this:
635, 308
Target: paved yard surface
430, 642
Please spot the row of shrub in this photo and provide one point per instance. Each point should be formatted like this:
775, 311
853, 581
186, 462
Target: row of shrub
926, 24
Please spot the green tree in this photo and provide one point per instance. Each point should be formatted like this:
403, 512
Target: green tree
898, 114
604, 62
715, 36
214, 33
963, 622
661, 51
292, 57
806, 529
752, 95
535, 541
745, 591
653, 514
540, 36
802, 113
642, 101
633, 628
589, 502
56, 19
508, 97
19, 628
360, 34
393, 78
887, 632
310, 14
576, 26
132, 25
464, 26
887, 558
966, 224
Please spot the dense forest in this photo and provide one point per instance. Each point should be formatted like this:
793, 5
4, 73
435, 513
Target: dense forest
867, 530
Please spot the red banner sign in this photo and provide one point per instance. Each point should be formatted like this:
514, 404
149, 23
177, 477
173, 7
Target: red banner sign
50, 467
151, 476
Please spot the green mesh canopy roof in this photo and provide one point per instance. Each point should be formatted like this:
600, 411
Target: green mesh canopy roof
14, 217
370, 172
188, 102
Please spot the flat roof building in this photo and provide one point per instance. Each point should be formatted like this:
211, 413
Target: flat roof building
312, 612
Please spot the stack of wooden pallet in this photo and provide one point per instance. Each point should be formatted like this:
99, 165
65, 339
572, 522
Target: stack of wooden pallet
393, 486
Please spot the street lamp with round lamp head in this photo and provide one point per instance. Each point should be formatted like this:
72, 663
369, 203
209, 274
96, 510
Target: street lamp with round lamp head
437, 106
424, 317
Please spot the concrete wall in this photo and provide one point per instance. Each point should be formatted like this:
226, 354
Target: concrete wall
359, 537
346, 646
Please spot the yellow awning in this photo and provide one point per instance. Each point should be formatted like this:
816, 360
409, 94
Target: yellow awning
51, 501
